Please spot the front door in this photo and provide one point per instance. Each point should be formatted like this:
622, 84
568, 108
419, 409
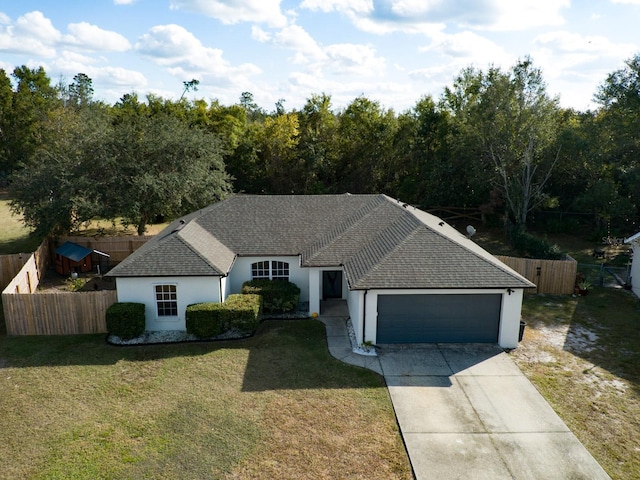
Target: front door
331, 284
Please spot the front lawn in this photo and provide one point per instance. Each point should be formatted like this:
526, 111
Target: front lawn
276, 405
583, 355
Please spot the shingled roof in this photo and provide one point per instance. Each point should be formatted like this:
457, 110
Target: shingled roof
380, 242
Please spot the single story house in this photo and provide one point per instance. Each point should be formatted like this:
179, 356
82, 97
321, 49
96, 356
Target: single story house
406, 275
634, 279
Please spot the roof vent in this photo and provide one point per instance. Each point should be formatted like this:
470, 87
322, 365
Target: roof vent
179, 227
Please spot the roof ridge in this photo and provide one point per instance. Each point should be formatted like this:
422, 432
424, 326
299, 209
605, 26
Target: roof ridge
340, 230
460, 240
193, 248
378, 247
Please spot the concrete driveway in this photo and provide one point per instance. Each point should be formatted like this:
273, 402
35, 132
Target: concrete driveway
466, 411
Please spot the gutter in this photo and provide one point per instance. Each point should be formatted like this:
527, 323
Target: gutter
364, 315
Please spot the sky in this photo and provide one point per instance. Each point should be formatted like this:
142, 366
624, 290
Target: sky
391, 51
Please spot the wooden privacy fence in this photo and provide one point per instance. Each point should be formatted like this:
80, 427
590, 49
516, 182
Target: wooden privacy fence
118, 248
60, 313
10, 265
550, 276
57, 313
28, 282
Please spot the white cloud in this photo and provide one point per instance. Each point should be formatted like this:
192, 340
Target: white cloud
36, 25
93, 37
351, 59
430, 16
296, 38
575, 64
561, 51
522, 15
123, 2
468, 47
342, 6
176, 48
338, 59
235, 11
119, 76
70, 63
259, 35
32, 34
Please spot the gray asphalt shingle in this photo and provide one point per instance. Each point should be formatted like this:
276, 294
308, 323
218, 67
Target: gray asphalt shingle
380, 242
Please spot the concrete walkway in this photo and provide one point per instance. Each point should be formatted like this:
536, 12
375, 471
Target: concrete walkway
466, 411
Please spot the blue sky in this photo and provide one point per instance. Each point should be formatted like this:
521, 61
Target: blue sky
392, 51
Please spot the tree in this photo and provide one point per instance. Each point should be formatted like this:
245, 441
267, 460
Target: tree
80, 92
6, 100
190, 86
158, 165
33, 99
513, 123
317, 144
283, 169
365, 146
254, 112
425, 171
54, 194
619, 117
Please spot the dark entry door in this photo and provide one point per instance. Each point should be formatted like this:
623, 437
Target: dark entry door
332, 284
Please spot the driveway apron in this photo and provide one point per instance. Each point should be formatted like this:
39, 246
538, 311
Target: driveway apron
466, 411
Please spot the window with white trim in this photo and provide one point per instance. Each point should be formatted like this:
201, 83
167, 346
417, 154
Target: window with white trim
260, 270
274, 270
279, 271
167, 300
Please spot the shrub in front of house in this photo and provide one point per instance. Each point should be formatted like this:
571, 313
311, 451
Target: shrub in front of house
238, 312
204, 320
243, 312
126, 319
278, 296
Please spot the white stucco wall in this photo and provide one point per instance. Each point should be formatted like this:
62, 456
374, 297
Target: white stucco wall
188, 290
355, 302
241, 272
509, 321
315, 289
635, 268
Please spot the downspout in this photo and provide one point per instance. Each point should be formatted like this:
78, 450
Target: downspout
364, 316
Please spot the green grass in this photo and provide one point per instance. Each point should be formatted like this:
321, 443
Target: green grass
273, 406
14, 236
595, 390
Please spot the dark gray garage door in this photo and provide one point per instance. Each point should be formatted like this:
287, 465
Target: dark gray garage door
438, 318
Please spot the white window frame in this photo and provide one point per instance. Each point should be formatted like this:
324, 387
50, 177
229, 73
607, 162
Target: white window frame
167, 305
270, 270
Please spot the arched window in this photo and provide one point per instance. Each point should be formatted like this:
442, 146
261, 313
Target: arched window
273, 270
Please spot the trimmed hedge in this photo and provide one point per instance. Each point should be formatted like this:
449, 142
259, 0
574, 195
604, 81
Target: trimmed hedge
241, 312
126, 319
278, 296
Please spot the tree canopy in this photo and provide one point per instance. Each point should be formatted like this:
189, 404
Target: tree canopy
495, 141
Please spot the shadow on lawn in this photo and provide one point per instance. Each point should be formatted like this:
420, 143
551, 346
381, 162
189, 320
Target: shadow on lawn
613, 316
282, 355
